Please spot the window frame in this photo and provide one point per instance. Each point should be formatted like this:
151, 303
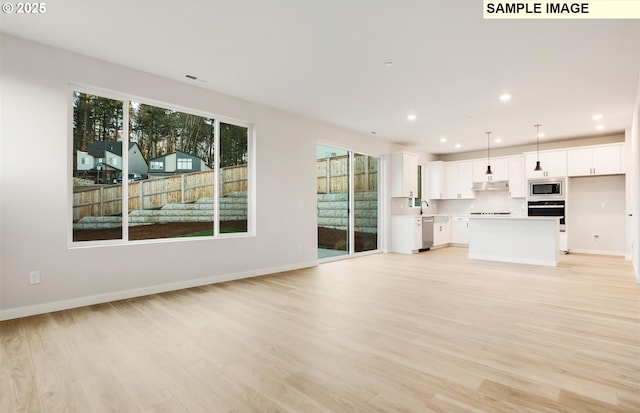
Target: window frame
126, 99
181, 162
156, 165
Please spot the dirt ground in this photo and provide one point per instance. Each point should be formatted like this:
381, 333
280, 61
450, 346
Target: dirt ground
153, 231
337, 239
327, 238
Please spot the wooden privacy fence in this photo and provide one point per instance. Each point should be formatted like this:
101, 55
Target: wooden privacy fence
332, 177
333, 174
156, 193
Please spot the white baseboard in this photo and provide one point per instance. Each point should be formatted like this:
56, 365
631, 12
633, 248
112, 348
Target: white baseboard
43, 308
597, 252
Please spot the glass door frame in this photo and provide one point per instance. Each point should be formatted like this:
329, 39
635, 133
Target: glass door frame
351, 205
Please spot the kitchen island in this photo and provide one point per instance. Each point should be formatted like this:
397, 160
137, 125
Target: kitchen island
526, 240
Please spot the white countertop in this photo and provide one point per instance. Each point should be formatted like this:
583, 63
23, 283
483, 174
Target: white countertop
511, 217
424, 215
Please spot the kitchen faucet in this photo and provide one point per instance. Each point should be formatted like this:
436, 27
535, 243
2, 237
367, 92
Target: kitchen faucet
423, 202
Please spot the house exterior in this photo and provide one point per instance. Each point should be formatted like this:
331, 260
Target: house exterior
176, 163
104, 160
84, 161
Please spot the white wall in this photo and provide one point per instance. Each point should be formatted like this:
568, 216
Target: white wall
633, 170
34, 204
596, 205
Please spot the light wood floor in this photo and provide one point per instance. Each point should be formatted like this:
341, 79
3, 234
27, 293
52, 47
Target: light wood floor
433, 332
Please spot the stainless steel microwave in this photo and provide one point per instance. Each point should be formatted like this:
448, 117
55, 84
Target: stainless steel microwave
546, 189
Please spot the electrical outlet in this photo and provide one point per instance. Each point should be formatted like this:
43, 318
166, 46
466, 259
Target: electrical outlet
596, 238
34, 277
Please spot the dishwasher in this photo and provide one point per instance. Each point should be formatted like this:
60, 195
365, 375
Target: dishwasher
427, 233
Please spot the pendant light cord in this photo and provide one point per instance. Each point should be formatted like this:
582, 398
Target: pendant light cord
488, 149
538, 140
489, 172
538, 168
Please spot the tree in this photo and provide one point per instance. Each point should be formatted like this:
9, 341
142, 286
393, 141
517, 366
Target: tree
233, 145
154, 129
95, 119
158, 131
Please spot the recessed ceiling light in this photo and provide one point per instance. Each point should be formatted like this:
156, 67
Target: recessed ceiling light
505, 97
541, 135
388, 64
443, 140
497, 140
458, 145
600, 127
412, 116
597, 116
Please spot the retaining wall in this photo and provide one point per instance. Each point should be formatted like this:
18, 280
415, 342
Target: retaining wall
333, 207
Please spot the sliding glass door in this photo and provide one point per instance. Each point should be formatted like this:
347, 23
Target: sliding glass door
333, 201
347, 190
365, 200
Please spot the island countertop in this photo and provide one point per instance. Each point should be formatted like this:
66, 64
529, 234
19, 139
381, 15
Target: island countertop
511, 217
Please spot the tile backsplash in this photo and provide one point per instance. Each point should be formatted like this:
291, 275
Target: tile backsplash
488, 201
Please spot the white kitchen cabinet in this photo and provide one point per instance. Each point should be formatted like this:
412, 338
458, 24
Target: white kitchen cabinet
441, 230
436, 179
554, 164
451, 180
499, 167
458, 180
459, 231
517, 177
404, 175
600, 160
406, 233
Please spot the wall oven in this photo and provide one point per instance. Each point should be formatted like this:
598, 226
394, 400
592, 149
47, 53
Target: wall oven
548, 208
546, 198
546, 189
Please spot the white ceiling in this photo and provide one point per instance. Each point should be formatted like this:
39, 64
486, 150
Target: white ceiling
325, 59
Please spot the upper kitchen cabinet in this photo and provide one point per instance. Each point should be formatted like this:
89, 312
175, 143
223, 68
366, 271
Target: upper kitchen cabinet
554, 164
499, 167
596, 160
458, 180
436, 179
404, 175
517, 177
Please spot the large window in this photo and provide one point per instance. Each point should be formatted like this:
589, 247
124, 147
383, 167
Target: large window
168, 173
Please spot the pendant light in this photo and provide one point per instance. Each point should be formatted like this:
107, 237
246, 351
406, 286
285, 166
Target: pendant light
538, 168
488, 172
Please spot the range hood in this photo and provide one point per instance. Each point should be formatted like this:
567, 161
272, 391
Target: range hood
490, 186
